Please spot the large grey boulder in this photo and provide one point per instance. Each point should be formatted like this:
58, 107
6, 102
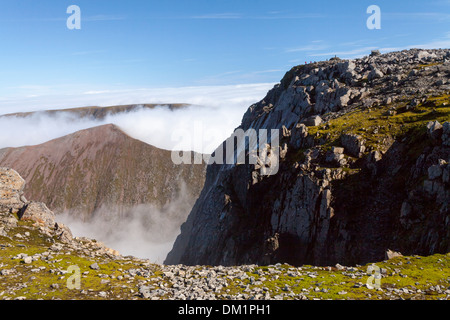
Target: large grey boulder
38, 212
11, 190
298, 136
353, 144
434, 129
375, 74
313, 121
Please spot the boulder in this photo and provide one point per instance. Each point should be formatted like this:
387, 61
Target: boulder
63, 233
38, 212
337, 150
336, 156
375, 53
313, 121
375, 74
434, 129
298, 136
11, 189
392, 254
353, 144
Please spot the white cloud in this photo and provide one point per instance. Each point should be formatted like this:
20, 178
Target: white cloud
214, 114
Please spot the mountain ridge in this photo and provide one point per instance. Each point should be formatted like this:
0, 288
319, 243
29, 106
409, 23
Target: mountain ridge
97, 112
100, 166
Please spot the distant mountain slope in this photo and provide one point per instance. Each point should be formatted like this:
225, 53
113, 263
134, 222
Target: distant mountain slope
99, 113
101, 167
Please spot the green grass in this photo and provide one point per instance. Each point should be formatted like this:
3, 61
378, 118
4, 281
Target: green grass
376, 127
421, 273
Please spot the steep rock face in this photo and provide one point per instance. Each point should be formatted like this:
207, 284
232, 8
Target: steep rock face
101, 167
351, 184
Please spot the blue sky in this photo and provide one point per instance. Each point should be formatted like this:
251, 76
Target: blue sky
125, 45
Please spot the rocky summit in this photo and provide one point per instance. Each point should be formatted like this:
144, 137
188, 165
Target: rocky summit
41, 260
364, 167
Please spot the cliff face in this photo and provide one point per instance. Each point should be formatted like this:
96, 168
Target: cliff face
102, 168
364, 153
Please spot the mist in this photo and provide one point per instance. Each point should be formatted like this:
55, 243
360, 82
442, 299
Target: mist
144, 231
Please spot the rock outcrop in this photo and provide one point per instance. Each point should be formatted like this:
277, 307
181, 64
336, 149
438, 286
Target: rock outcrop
12, 202
14, 208
371, 175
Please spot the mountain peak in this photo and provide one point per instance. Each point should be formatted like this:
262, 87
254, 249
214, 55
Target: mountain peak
100, 166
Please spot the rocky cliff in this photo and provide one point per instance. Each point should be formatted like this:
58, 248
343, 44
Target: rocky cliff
102, 168
364, 167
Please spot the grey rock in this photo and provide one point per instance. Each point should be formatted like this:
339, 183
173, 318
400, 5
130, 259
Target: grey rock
7, 272
434, 129
11, 189
28, 260
313, 121
339, 267
63, 233
94, 266
375, 74
38, 212
335, 158
429, 187
434, 172
392, 254
337, 150
353, 144
298, 136
294, 202
375, 53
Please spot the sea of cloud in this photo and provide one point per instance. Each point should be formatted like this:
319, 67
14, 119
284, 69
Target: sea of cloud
213, 115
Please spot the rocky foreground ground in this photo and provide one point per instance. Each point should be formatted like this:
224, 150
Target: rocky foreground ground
39, 259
